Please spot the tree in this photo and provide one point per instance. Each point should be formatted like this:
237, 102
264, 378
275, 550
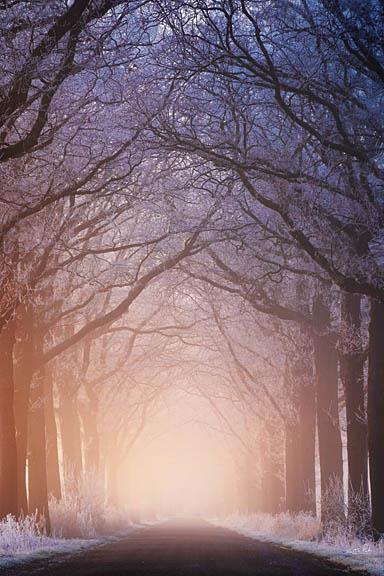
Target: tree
304, 147
352, 374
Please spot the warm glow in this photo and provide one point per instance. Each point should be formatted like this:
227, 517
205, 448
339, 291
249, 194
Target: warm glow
181, 465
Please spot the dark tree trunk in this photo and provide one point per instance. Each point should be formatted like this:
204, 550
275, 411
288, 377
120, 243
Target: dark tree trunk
376, 415
8, 455
327, 403
37, 460
352, 373
307, 446
300, 434
70, 436
37, 464
23, 370
53, 468
293, 467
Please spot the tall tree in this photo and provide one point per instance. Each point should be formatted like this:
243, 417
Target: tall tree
8, 454
375, 412
352, 373
327, 403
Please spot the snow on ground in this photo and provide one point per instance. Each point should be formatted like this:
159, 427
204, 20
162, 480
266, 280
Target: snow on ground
302, 532
79, 520
22, 541
42, 547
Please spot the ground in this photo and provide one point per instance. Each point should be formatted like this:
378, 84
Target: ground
180, 548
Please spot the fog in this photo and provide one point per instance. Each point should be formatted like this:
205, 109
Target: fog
181, 465
191, 261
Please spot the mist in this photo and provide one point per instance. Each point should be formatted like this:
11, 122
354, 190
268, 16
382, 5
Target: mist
191, 269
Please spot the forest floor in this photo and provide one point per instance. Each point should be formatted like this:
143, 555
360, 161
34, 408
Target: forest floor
182, 548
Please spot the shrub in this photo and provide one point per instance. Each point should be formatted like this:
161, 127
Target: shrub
23, 535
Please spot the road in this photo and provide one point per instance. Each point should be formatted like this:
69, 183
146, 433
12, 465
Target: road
180, 548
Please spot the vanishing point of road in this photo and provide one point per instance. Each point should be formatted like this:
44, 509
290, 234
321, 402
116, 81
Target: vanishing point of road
182, 548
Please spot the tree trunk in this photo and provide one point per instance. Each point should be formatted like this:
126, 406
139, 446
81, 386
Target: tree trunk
352, 373
300, 434
23, 353
103, 468
293, 467
8, 454
272, 485
113, 469
70, 437
88, 413
53, 468
376, 414
327, 403
250, 485
307, 446
37, 459
37, 464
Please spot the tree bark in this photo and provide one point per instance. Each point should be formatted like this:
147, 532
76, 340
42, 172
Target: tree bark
272, 484
53, 468
8, 454
37, 464
376, 414
37, 459
23, 370
88, 413
352, 373
293, 467
307, 446
70, 436
327, 404
300, 437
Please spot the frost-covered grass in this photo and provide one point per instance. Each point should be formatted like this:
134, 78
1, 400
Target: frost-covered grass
299, 526
78, 515
303, 532
83, 513
22, 536
74, 517
22, 540
79, 520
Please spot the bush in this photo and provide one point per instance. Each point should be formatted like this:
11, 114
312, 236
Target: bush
302, 526
23, 535
82, 512
343, 521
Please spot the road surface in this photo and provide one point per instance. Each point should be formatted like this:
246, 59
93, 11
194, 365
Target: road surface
180, 548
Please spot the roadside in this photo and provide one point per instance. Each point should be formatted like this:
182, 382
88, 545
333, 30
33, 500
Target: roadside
302, 533
21, 544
